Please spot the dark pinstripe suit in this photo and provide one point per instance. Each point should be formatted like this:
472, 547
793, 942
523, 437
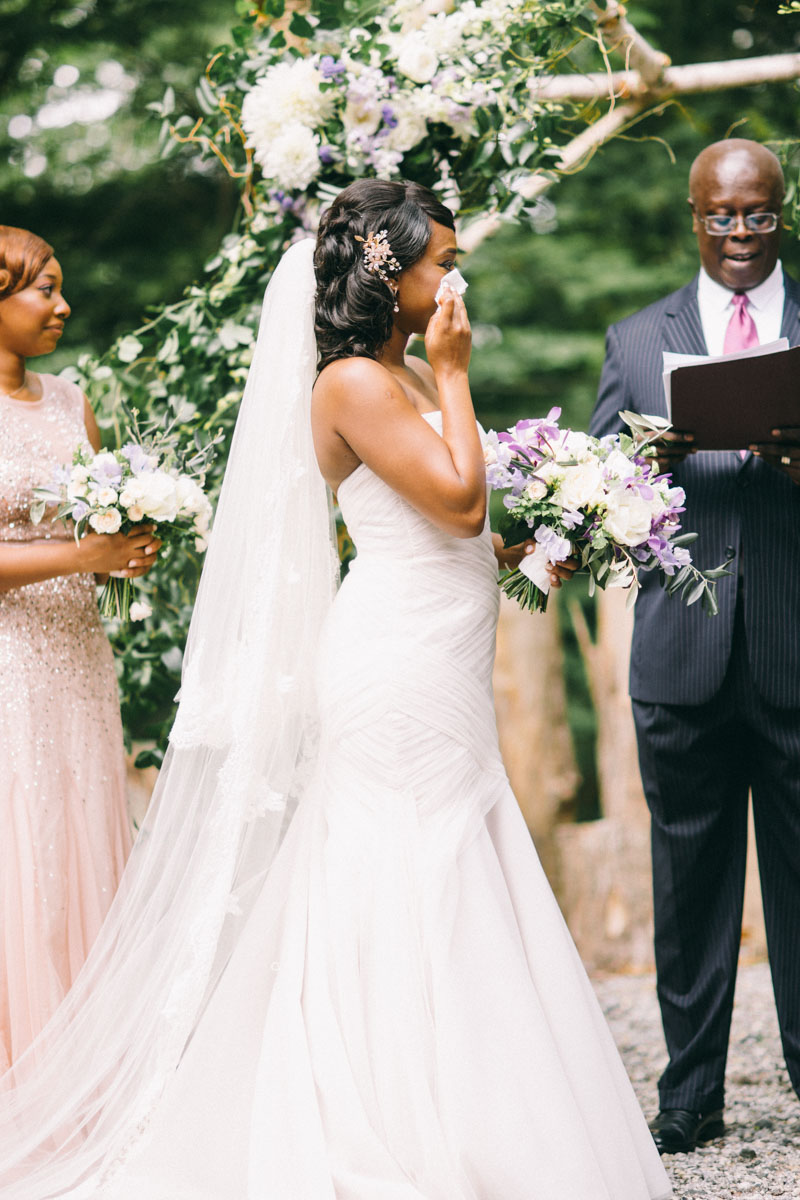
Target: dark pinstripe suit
717, 709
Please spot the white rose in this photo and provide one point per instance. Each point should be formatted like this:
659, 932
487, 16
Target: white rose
628, 517
361, 115
155, 494
139, 610
190, 495
416, 59
203, 519
550, 471
106, 496
576, 444
619, 466
410, 129
581, 486
76, 490
536, 489
106, 522
104, 461
126, 498
79, 474
135, 513
292, 158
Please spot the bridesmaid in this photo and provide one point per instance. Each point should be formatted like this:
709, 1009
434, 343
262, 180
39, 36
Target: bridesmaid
64, 831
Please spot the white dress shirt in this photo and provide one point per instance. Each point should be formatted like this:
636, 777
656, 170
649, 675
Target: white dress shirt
765, 305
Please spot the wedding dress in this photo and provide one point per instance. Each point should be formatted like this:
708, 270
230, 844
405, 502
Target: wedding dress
403, 1014
406, 1017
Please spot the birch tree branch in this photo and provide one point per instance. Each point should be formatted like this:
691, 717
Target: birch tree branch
673, 81
648, 79
537, 182
618, 34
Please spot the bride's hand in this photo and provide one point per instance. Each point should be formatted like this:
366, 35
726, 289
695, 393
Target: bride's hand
509, 557
448, 338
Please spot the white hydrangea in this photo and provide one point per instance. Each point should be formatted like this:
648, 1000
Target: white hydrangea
291, 158
288, 94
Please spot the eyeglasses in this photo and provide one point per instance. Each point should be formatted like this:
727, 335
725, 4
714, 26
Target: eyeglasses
718, 225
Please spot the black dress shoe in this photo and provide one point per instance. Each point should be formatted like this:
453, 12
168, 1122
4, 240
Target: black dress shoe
679, 1130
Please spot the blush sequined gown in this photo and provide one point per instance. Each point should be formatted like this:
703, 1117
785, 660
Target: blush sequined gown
405, 1016
64, 832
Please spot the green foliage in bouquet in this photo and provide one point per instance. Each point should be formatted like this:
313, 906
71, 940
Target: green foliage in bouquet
294, 108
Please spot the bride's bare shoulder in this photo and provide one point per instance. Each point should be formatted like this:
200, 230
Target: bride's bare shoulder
351, 382
347, 373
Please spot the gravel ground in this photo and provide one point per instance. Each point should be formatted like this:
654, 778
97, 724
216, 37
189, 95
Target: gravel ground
759, 1157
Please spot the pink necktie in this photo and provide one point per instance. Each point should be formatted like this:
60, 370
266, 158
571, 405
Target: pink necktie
741, 333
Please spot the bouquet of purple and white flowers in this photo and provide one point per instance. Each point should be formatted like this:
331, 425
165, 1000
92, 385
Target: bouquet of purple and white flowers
601, 500
150, 478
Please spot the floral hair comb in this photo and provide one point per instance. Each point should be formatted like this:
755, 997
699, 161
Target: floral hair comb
378, 257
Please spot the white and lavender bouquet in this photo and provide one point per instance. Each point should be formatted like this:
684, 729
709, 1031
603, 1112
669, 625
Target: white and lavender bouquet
151, 479
601, 500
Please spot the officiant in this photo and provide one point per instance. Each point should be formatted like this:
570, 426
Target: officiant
716, 701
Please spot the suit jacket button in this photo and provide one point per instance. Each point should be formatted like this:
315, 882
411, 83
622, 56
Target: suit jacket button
729, 550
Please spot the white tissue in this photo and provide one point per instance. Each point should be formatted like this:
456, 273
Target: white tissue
453, 279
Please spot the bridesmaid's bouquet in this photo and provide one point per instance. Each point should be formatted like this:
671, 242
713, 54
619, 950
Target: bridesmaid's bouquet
150, 478
601, 500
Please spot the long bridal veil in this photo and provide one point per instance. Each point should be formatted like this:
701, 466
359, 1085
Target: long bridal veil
240, 752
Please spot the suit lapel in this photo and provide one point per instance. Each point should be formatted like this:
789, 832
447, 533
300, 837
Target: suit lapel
790, 325
683, 332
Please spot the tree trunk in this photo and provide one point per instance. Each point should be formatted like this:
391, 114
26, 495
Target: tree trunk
532, 723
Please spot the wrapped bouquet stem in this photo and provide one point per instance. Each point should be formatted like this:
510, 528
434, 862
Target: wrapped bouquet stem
600, 500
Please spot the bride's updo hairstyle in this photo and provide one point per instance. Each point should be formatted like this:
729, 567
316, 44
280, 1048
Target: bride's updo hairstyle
354, 307
22, 256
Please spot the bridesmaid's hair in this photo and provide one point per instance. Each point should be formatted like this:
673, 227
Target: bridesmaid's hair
22, 256
354, 308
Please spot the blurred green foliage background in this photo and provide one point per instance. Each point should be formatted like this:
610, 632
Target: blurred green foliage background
81, 163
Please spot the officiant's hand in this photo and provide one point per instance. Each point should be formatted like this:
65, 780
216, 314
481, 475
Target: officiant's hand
672, 448
784, 453
561, 572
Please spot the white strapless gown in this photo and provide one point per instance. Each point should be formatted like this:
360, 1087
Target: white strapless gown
406, 1017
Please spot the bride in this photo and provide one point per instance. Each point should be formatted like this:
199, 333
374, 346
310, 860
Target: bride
335, 970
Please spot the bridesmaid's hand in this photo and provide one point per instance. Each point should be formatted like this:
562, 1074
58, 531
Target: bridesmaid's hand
127, 555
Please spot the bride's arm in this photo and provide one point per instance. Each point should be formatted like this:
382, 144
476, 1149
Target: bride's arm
361, 413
